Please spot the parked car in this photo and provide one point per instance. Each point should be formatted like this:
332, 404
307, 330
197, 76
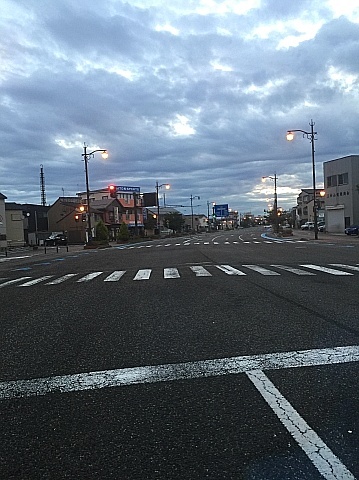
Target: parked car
321, 227
54, 240
352, 230
307, 226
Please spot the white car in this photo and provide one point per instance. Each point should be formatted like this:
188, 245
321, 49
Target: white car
307, 226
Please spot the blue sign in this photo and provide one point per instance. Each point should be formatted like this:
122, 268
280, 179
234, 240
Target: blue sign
221, 210
128, 189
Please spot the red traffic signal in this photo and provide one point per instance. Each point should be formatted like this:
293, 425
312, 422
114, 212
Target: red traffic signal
113, 191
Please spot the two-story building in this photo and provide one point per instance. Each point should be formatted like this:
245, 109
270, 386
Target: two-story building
341, 177
305, 206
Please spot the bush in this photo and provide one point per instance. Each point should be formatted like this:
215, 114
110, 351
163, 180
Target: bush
123, 234
101, 232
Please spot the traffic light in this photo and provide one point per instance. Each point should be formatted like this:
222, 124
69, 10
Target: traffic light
113, 191
84, 217
77, 217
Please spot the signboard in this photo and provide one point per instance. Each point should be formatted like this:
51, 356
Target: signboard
128, 189
221, 210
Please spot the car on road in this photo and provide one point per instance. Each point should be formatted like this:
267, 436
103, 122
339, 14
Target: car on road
352, 230
321, 227
307, 226
55, 240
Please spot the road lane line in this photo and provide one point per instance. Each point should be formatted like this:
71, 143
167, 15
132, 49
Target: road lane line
297, 271
331, 271
143, 274
35, 281
179, 371
11, 282
89, 277
200, 271
61, 279
229, 270
317, 451
115, 276
261, 270
171, 273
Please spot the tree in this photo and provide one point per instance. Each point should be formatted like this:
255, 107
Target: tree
123, 233
174, 221
101, 231
151, 222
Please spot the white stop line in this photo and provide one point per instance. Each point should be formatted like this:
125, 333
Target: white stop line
317, 451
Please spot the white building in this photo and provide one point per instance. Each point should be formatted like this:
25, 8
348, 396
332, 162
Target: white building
341, 177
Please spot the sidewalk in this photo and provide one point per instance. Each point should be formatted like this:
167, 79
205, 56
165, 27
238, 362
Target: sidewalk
306, 235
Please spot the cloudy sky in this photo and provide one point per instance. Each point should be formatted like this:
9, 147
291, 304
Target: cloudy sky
195, 93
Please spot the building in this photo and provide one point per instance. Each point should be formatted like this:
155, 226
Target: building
3, 240
341, 177
305, 206
196, 222
14, 224
129, 202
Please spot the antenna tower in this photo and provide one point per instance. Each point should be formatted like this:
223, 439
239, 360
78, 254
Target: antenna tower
42, 186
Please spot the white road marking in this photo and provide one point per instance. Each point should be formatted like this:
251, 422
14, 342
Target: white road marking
6, 259
61, 279
35, 281
318, 452
179, 371
229, 270
115, 276
297, 271
89, 277
143, 274
331, 271
171, 273
349, 267
11, 282
200, 271
261, 270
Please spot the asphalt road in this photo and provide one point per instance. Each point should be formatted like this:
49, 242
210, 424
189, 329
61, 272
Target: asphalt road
218, 356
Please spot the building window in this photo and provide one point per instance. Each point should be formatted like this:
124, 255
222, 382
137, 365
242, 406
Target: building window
332, 181
343, 179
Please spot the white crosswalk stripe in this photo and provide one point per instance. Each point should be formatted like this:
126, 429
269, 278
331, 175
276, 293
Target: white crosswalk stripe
326, 269
61, 279
89, 277
296, 271
11, 282
171, 273
200, 271
230, 270
115, 276
143, 274
35, 281
261, 270
349, 267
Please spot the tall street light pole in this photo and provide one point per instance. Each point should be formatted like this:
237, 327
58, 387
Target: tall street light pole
192, 198
275, 206
86, 156
208, 204
311, 136
167, 186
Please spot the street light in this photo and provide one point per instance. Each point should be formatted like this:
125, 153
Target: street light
167, 187
192, 198
275, 205
86, 156
208, 204
311, 136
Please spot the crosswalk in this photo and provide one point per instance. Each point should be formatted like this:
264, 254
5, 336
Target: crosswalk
192, 241
334, 269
